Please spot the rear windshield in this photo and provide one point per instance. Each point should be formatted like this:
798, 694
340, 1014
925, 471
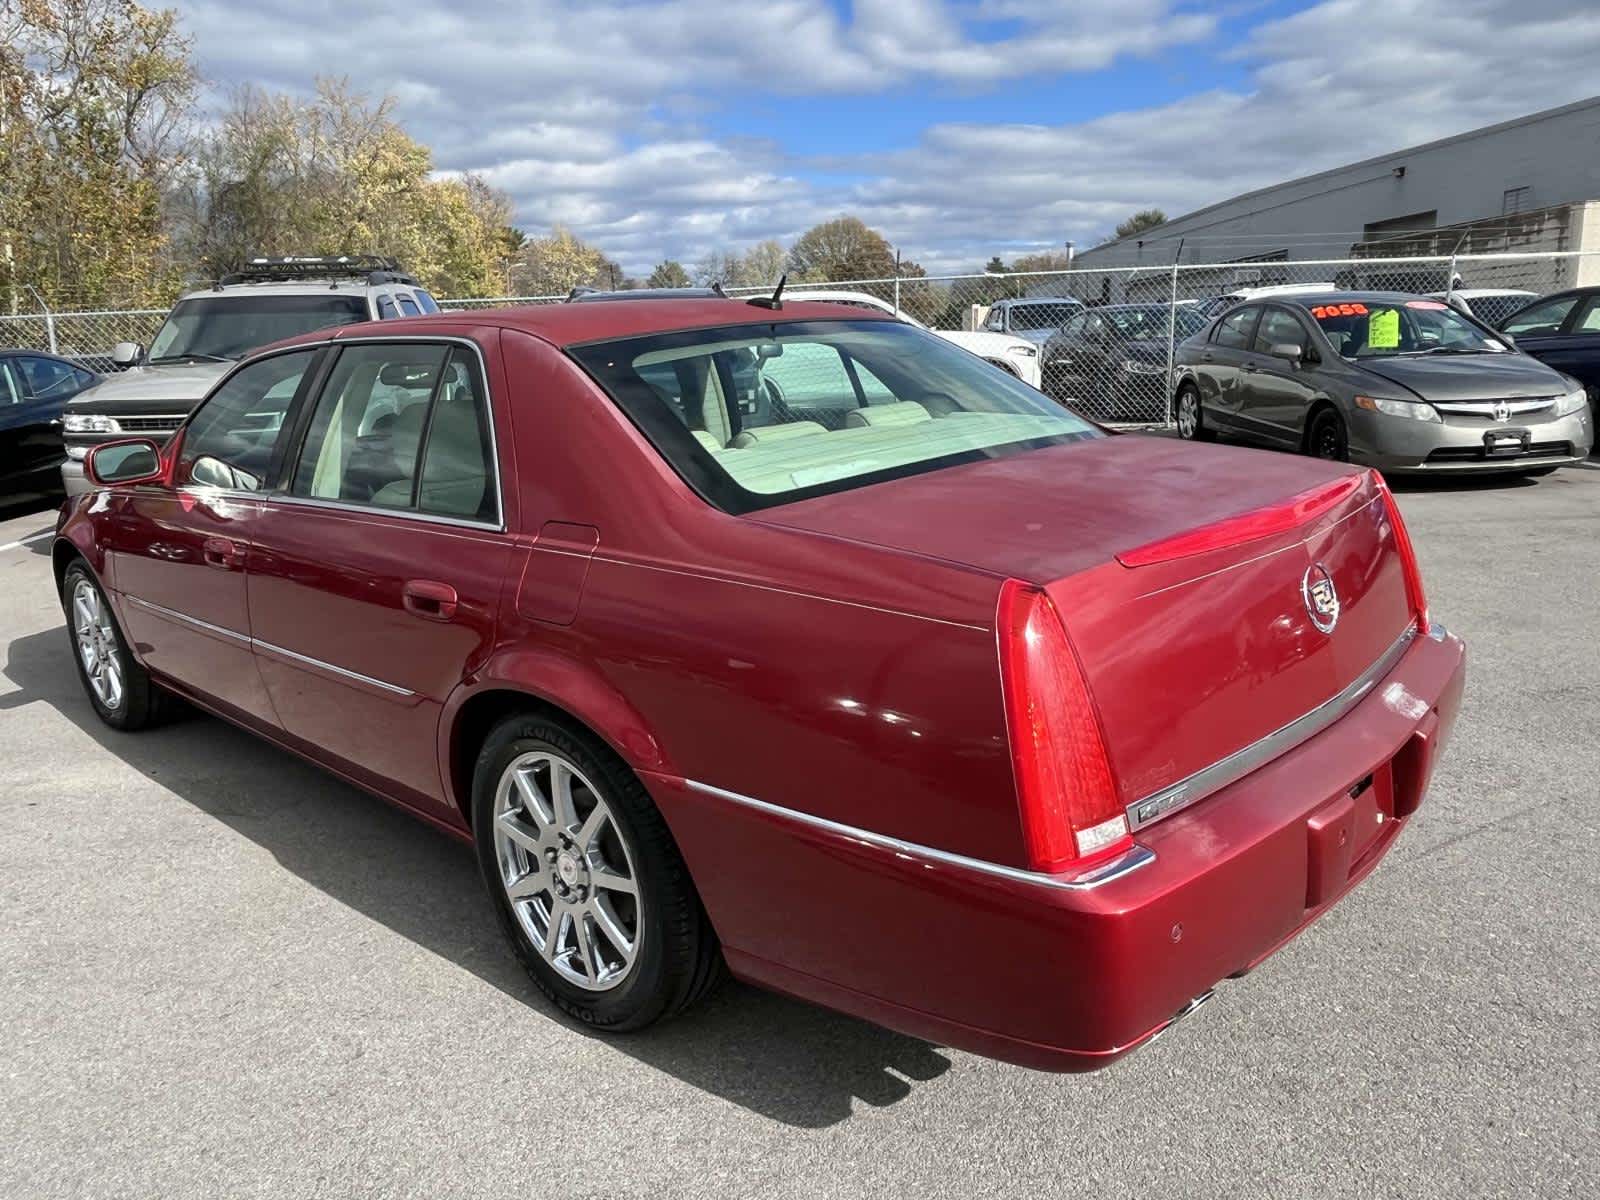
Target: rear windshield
1042, 316
229, 327
757, 415
1387, 329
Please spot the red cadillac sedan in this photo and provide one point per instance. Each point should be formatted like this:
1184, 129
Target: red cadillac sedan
790, 639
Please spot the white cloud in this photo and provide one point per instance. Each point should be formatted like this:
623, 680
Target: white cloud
598, 116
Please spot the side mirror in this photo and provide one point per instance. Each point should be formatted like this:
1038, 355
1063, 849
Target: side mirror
1506, 338
136, 460
1288, 350
125, 354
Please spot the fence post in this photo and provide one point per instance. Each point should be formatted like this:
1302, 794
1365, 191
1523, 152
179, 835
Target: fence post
49, 317
897, 282
1172, 331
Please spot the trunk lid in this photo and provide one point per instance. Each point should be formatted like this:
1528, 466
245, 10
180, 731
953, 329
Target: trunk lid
1196, 652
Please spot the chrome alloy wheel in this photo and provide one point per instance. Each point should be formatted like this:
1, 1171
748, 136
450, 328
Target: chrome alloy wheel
97, 645
566, 871
1188, 413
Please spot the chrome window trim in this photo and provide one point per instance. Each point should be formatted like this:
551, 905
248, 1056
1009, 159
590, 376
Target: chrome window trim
257, 644
328, 666
498, 525
232, 635
1134, 858
1208, 780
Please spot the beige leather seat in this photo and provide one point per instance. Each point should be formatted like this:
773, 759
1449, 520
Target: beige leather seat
767, 435
707, 440
901, 412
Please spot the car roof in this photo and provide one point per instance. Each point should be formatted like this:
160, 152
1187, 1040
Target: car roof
1475, 293
1311, 299
574, 324
1013, 301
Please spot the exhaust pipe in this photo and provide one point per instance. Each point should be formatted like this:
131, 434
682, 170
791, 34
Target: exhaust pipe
1193, 1005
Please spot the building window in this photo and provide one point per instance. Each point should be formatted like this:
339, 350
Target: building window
1516, 200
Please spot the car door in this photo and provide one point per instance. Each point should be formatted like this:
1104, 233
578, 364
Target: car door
1277, 393
1071, 357
1563, 333
1221, 367
375, 573
177, 553
48, 383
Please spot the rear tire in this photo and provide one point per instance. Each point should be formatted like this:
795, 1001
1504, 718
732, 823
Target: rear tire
121, 691
1191, 418
585, 878
1327, 437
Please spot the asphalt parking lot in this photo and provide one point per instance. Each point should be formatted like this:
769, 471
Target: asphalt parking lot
226, 973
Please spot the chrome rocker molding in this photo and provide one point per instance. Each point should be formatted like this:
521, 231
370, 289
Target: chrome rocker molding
1178, 796
257, 644
1103, 873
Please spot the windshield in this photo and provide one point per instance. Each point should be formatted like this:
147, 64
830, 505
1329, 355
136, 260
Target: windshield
756, 415
222, 328
1386, 329
1042, 316
1152, 321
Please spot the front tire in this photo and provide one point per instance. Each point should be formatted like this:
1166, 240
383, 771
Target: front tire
586, 880
1327, 438
1191, 421
123, 695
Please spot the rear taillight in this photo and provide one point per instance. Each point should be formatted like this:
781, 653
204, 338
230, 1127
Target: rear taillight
1408, 555
1071, 813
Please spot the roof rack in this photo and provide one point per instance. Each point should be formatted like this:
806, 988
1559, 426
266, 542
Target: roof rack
295, 268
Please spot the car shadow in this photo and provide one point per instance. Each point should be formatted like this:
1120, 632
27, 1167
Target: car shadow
780, 1058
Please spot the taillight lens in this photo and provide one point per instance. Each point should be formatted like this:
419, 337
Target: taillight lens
1071, 813
1408, 555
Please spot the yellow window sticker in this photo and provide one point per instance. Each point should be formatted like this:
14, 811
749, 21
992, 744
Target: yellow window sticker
1383, 329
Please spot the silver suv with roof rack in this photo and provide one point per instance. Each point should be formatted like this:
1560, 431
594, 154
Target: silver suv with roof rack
208, 330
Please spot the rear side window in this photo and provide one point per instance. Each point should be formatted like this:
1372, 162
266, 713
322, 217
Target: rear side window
1545, 317
401, 426
408, 306
231, 439
1234, 329
426, 301
1589, 319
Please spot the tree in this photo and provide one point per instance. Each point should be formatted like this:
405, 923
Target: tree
669, 274
840, 250
337, 174
94, 104
762, 264
1142, 220
554, 265
996, 266
1049, 260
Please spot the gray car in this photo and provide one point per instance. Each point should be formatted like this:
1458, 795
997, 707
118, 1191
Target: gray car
1396, 381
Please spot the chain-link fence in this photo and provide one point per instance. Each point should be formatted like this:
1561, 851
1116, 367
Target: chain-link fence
1103, 339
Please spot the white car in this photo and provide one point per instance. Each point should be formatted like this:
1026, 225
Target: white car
1216, 305
1489, 305
1014, 354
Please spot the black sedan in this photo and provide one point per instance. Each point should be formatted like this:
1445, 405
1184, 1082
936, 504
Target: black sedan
34, 388
1110, 362
1563, 330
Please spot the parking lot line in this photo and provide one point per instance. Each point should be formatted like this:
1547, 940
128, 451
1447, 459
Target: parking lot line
27, 541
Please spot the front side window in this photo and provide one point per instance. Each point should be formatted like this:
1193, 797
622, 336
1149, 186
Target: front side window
230, 440
49, 379
386, 309
756, 415
1360, 329
11, 391
1234, 329
1589, 319
224, 327
1278, 328
1545, 317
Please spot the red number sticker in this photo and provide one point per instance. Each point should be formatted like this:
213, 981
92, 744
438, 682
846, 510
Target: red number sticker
1323, 312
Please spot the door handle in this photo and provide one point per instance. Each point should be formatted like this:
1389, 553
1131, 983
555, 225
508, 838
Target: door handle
429, 599
1205, 356
1251, 368
221, 553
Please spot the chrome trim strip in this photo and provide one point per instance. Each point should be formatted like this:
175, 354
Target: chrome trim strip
373, 510
1204, 782
241, 638
1116, 868
257, 644
327, 666
1485, 408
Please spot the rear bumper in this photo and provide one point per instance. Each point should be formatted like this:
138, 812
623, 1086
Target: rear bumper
1070, 978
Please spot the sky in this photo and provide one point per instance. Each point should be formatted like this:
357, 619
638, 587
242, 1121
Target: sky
960, 128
